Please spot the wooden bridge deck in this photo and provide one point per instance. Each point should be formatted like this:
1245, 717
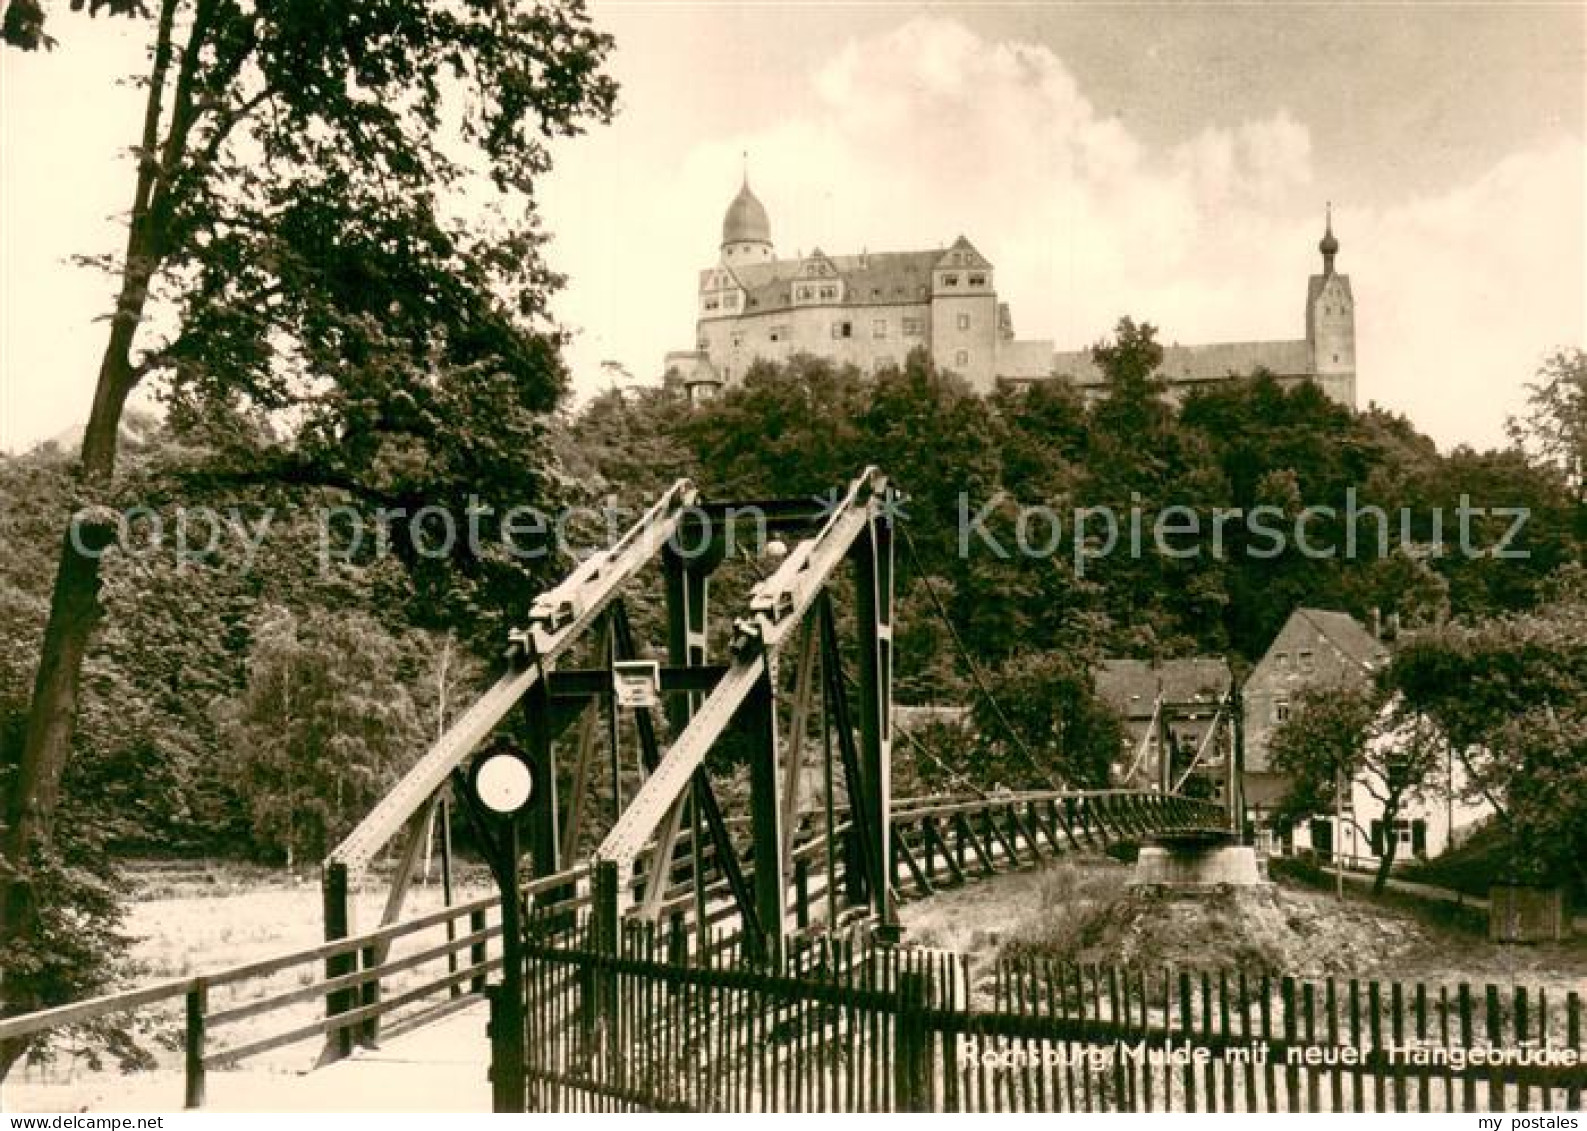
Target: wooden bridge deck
938, 842
440, 1067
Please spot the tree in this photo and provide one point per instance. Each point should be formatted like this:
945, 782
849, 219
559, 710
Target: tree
785, 430
628, 445
1130, 363
24, 20
1140, 460
1511, 693
1555, 426
1355, 734
322, 729
1046, 725
299, 244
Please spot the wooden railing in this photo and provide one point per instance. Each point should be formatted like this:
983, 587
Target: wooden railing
950, 842
446, 956
842, 1025
944, 841
457, 939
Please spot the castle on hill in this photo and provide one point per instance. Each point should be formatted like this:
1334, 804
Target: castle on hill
871, 309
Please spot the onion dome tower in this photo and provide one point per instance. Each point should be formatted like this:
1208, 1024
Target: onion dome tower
746, 231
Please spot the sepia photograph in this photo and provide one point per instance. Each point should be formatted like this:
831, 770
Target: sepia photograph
792, 556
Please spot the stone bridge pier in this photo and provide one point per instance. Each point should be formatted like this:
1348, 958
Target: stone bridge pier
1197, 862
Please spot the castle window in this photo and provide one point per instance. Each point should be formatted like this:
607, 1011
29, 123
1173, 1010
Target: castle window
729, 302
879, 328
738, 339
914, 327
804, 294
778, 333
950, 280
842, 329
711, 304
962, 358
978, 280
829, 292
964, 321
1281, 711
1308, 660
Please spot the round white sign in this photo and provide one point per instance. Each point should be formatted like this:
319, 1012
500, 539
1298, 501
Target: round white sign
503, 783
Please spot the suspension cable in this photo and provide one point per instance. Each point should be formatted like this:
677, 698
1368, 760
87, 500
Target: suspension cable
969, 661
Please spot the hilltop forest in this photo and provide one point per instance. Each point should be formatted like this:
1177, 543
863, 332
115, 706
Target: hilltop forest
247, 696
244, 700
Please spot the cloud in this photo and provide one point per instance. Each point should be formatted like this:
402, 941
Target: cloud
1253, 164
1459, 295
908, 138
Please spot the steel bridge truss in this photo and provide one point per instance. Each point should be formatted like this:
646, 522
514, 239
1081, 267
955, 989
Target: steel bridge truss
1194, 747
676, 822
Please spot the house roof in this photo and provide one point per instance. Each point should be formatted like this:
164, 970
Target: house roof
1347, 634
871, 279
1198, 677
1132, 687
1128, 686
1201, 363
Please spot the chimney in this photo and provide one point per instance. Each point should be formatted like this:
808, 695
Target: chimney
1375, 623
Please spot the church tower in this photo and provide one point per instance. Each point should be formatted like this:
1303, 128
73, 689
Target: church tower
746, 232
1331, 324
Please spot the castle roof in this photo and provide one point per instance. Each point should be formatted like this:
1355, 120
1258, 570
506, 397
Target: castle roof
745, 220
1212, 362
875, 278
1315, 284
963, 253
1329, 244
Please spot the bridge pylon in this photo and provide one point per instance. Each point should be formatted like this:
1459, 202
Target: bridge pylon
677, 846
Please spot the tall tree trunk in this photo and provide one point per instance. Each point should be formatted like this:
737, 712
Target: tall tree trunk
30, 777
1391, 845
32, 774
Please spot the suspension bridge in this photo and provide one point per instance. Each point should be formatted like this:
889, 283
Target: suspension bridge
789, 838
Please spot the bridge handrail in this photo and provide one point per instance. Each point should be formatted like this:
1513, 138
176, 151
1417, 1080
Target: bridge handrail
906, 812
912, 809
74, 1013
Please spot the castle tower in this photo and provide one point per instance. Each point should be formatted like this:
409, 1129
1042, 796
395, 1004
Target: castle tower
746, 232
1331, 324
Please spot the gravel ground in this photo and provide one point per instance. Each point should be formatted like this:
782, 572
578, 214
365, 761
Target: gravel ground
1083, 910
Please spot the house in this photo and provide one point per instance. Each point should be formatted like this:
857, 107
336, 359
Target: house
1182, 704
1427, 826
1328, 648
1316, 647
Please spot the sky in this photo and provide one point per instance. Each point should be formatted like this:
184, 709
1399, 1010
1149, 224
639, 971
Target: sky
1170, 162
